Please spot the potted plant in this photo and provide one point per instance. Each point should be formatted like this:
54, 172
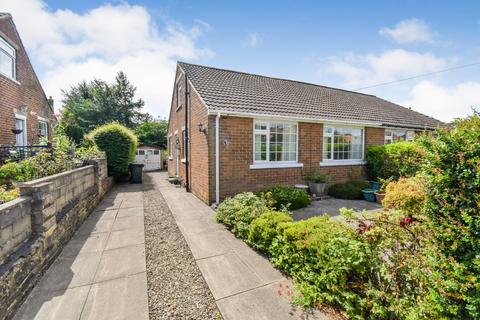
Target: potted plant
380, 193
317, 181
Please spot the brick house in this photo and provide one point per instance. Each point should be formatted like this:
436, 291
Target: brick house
232, 131
23, 104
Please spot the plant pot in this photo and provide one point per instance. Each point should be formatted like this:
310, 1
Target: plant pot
379, 197
369, 195
317, 189
374, 185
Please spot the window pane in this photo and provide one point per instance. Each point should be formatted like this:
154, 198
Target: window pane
260, 147
6, 64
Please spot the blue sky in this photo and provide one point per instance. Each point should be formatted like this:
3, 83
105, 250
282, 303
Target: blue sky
347, 44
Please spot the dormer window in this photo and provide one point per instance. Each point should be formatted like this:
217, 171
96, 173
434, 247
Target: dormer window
7, 59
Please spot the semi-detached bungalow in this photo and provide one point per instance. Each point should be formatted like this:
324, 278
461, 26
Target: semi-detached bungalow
232, 131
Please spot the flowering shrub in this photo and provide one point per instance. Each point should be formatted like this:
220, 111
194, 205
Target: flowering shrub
406, 194
8, 195
238, 212
288, 197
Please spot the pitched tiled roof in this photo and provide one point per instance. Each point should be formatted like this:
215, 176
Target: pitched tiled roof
244, 93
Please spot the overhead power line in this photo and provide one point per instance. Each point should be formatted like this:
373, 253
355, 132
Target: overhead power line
419, 76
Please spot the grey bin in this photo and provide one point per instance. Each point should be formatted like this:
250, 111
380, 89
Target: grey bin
136, 171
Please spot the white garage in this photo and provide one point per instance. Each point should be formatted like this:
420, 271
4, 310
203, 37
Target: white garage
150, 156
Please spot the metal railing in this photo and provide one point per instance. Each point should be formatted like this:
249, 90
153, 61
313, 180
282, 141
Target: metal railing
18, 153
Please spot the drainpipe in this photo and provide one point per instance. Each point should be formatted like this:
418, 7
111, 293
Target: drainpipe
186, 142
217, 158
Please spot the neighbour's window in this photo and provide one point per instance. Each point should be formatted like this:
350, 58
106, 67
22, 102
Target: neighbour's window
7, 59
43, 129
149, 152
141, 152
275, 141
398, 135
155, 152
342, 143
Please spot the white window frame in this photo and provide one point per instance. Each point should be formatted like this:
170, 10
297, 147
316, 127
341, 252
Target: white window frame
46, 122
341, 162
265, 164
388, 138
170, 147
409, 134
184, 144
178, 88
4, 43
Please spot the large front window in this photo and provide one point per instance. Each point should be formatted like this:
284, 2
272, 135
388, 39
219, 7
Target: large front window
342, 143
7, 59
275, 142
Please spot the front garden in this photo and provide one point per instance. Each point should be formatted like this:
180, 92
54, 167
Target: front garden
416, 259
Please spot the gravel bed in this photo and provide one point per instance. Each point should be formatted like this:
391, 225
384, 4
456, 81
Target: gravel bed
176, 288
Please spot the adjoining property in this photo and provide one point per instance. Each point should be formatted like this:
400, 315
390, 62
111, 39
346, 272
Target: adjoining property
231, 131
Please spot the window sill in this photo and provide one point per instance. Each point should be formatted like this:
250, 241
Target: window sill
184, 160
271, 165
170, 158
332, 163
10, 78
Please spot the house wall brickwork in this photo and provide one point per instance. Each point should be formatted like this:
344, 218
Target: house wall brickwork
26, 90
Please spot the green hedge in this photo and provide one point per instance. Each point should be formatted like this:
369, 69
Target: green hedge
280, 197
119, 144
392, 161
348, 190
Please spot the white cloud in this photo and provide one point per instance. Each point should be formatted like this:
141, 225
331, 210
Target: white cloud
71, 47
253, 39
442, 102
409, 31
364, 70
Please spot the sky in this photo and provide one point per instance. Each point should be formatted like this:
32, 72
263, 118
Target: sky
344, 44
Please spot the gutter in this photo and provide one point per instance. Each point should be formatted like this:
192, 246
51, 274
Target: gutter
217, 158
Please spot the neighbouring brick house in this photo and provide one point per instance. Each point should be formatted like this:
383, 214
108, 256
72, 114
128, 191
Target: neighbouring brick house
23, 104
232, 131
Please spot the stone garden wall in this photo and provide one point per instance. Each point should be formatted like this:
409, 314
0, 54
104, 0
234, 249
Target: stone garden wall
35, 227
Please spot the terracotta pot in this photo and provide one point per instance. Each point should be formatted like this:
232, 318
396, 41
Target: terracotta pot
379, 197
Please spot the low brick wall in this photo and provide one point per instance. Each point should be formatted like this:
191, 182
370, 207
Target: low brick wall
35, 227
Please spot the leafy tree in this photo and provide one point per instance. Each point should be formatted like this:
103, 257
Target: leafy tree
153, 132
90, 104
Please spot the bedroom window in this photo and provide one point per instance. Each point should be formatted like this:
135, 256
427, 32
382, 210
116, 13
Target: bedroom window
7, 59
342, 144
275, 142
170, 146
43, 129
398, 135
179, 94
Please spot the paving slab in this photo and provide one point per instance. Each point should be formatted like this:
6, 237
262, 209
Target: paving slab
100, 274
242, 281
332, 206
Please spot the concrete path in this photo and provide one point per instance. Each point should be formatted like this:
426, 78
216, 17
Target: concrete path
100, 273
332, 206
244, 284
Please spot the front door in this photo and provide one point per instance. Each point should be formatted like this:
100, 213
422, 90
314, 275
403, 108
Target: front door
21, 138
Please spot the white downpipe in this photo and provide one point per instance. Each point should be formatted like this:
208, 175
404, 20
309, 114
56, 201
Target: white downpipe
217, 158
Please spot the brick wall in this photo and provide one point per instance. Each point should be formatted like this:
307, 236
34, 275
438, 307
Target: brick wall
35, 227
237, 156
26, 90
199, 169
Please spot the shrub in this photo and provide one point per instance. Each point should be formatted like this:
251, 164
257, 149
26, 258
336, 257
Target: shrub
400, 159
119, 144
8, 195
237, 212
10, 172
406, 194
286, 197
316, 176
453, 206
263, 229
348, 190
324, 257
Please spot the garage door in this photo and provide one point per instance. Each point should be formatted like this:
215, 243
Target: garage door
150, 158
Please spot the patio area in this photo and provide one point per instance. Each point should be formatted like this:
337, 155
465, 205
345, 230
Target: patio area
332, 206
